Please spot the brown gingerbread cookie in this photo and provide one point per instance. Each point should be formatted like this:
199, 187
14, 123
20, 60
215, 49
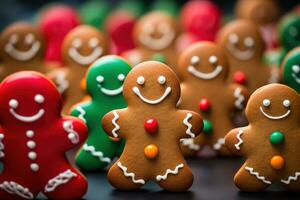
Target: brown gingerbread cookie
203, 72
244, 47
81, 47
155, 37
152, 126
270, 142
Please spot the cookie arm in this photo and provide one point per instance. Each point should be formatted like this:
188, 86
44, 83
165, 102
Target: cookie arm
234, 140
237, 97
192, 125
79, 111
110, 124
60, 79
2, 144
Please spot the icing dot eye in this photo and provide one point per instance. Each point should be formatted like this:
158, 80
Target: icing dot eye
14, 39
233, 38
29, 39
213, 59
100, 79
13, 103
286, 103
161, 80
39, 98
121, 77
249, 42
296, 69
77, 43
195, 60
140, 80
93, 42
266, 102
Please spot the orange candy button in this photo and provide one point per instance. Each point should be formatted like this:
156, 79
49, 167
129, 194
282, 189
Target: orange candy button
277, 162
151, 151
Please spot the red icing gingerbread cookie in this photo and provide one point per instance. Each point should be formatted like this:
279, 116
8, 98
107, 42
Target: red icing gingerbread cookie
34, 139
152, 127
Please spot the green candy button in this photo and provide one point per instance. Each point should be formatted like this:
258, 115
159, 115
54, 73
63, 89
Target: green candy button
276, 138
159, 57
207, 127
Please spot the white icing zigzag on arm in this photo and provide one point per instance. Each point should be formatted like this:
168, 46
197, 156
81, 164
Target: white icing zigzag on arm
239, 98
131, 175
217, 146
72, 134
1, 145
190, 144
95, 153
262, 178
291, 178
169, 171
238, 136
61, 179
114, 121
81, 113
17, 189
189, 125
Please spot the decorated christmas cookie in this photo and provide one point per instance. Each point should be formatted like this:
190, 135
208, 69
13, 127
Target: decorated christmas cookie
152, 126
81, 47
244, 48
34, 139
203, 71
155, 36
271, 140
105, 85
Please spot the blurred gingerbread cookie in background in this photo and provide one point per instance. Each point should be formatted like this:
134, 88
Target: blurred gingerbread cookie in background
203, 71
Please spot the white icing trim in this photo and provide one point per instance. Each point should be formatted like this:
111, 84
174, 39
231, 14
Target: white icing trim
274, 117
205, 76
275, 75
157, 101
190, 144
114, 121
291, 178
239, 98
169, 171
131, 175
85, 60
238, 54
32, 118
240, 140
218, 145
296, 78
17, 189
189, 125
1, 145
61, 179
256, 174
61, 82
72, 134
22, 55
98, 154
111, 92
82, 113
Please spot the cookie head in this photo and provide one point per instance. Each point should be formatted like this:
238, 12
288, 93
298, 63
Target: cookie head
28, 98
203, 61
155, 31
274, 103
151, 84
21, 42
289, 31
106, 76
242, 40
83, 46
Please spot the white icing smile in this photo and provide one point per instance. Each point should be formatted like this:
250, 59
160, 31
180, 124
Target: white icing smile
13, 104
108, 92
266, 103
167, 36
237, 53
161, 80
89, 59
22, 55
296, 70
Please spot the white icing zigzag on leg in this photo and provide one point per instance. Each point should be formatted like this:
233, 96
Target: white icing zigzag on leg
114, 121
81, 113
72, 134
291, 178
95, 153
217, 146
189, 125
61, 179
131, 175
169, 171
62, 82
262, 178
238, 136
239, 98
1, 145
190, 144
17, 189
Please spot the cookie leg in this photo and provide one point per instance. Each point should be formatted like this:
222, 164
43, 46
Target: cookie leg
224, 151
177, 179
292, 183
191, 146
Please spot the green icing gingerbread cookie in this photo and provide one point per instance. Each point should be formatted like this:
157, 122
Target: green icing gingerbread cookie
291, 69
104, 83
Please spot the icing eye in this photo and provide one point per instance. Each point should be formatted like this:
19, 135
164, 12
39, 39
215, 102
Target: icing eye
296, 69
286, 103
233, 38
39, 98
77, 43
100, 79
249, 42
195, 60
14, 39
161, 80
140, 80
93, 43
13, 103
266, 102
121, 77
213, 59
29, 39
293, 31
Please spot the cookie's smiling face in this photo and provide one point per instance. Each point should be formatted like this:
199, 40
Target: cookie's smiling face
291, 69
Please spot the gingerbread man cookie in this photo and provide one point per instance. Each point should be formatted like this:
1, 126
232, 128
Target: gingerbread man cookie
81, 47
105, 85
244, 48
203, 67
152, 126
271, 140
34, 139
155, 35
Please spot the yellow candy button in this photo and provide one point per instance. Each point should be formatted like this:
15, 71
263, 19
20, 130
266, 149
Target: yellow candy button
151, 151
277, 162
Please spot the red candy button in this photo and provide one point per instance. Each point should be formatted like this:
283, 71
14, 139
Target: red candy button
204, 105
151, 126
239, 77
